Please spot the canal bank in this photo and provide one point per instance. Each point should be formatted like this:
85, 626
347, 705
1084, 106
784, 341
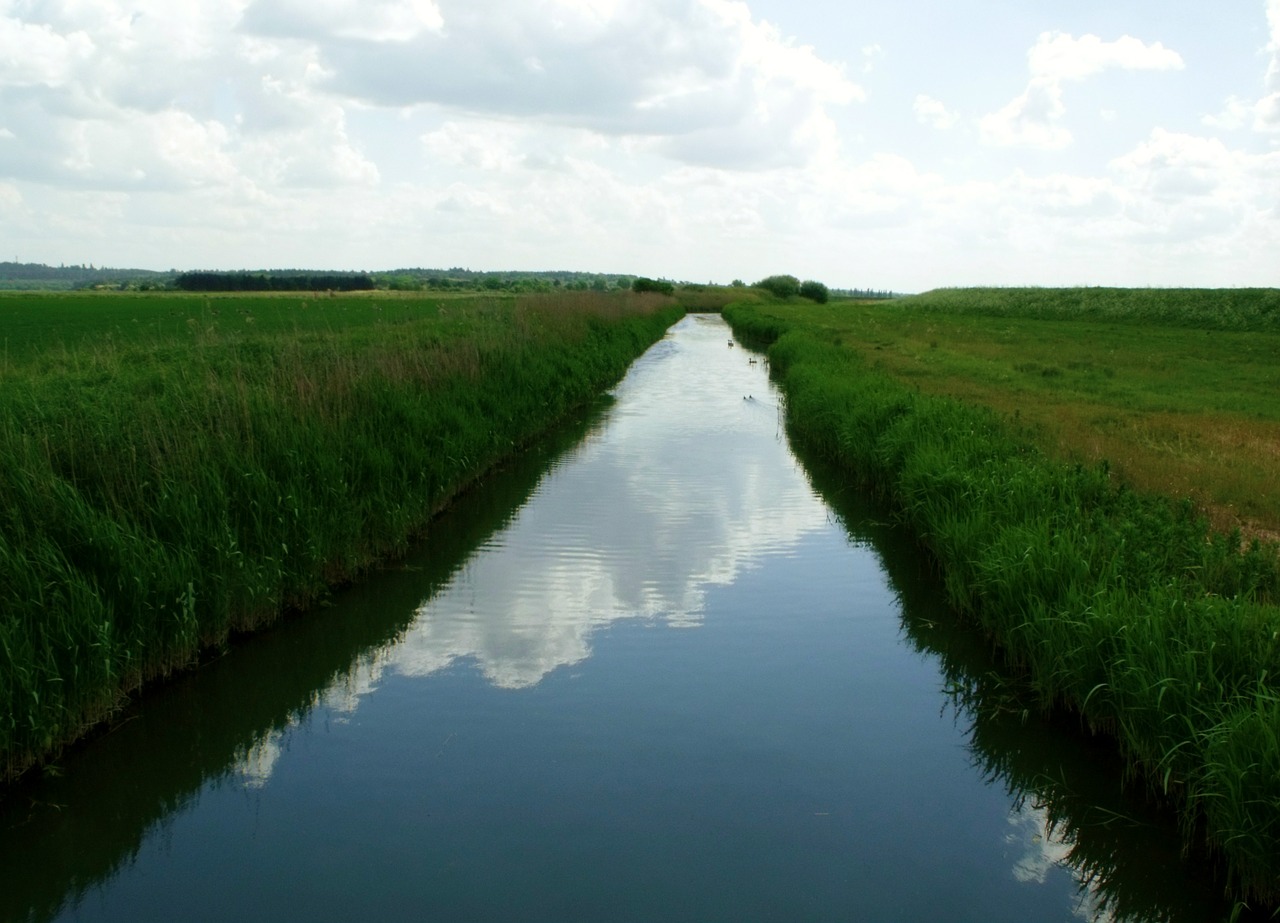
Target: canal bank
655, 676
1118, 607
165, 491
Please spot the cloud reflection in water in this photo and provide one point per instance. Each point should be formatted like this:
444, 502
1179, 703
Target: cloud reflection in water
689, 484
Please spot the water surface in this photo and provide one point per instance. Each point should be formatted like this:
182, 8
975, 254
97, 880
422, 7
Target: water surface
649, 673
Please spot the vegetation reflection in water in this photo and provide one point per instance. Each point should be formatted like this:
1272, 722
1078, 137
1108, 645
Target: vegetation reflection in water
68, 831
1070, 804
65, 837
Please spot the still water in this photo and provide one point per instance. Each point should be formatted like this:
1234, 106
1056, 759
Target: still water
655, 671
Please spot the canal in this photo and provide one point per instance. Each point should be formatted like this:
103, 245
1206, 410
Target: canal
655, 670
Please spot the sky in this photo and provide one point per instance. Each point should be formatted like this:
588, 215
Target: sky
900, 146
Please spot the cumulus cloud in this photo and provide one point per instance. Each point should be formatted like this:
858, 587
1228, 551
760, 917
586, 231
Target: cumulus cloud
1262, 114
154, 96
374, 21
1173, 168
1273, 47
671, 137
871, 56
33, 54
1058, 56
703, 77
933, 112
10, 198
1032, 119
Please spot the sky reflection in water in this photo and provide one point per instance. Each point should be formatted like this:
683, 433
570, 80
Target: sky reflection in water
668, 687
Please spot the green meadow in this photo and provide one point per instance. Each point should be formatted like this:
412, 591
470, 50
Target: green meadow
1174, 389
1093, 472
181, 468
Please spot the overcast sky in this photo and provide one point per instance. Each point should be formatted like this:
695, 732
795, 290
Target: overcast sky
900, 145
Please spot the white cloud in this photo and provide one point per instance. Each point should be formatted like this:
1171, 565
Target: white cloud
703, 76
933, 112
1058, 56
1273, 47
1030, 120
157, 96
1262, 114
33, 54
1266, 112
10, 198
871, 56
319, 155
376, 21
1033, 118
1236, 113
673, 137
1184, 170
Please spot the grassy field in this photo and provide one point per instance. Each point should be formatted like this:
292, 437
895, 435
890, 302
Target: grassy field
182, 467
39, 326
1109, 595
1179, 392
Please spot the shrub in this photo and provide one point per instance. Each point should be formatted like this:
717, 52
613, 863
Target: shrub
815, 291
653, 285
782, 286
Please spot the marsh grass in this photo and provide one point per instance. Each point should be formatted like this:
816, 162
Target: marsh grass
1120, 605
167, 488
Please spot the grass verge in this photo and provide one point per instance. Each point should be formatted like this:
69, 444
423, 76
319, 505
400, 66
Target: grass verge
193, 475
1176, 394
1120, 605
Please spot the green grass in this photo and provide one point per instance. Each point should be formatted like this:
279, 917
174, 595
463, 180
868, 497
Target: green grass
182, 468
1119, 604
45, 324
1240, 309
1186, 409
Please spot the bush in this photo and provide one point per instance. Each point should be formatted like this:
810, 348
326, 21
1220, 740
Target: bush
815, 291
781, 286
653, 285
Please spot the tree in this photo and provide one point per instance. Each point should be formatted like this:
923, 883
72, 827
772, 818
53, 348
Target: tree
781, 286
653, 285
815, 291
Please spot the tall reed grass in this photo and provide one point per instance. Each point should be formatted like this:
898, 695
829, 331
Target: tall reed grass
162, 493
1119, 606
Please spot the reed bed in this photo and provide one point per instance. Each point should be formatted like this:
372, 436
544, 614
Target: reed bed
164, 491
1121, 606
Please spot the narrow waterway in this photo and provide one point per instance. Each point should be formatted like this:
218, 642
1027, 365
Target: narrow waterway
654, 671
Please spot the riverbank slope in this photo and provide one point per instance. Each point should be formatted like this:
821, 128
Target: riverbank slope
183, 468
1120, 605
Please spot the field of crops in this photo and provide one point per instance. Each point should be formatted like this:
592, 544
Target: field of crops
1109, 594
182, 467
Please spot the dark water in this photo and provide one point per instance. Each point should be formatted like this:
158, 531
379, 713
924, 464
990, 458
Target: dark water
649, 673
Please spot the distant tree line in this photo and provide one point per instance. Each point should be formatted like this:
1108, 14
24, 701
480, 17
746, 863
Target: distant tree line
287, 281
15, 275
28, 276
867, 294
469, 280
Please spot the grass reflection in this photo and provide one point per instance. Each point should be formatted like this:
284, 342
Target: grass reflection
1070, 802
79, 823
